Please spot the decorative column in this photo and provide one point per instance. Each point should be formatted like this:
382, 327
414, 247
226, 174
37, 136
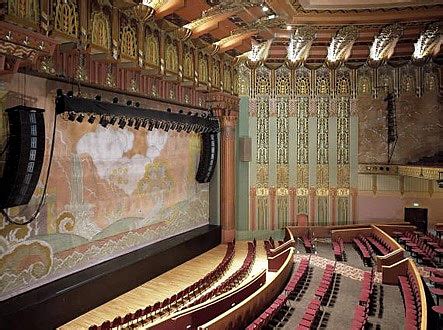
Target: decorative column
252, 208
225, 107
312, 208
333, 198
272, 195
354, 193
292, 206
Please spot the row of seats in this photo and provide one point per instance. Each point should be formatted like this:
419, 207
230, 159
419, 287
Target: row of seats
363, 248
310, 315
381, 245
339, 248
422, 248
361, 311
325, 285
175, 300
307, 243
232, 280
411, 299
296, 278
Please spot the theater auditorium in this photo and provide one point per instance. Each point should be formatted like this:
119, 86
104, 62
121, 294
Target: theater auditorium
221, 164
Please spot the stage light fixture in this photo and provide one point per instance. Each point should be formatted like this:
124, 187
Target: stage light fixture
71, 115
167, 126
113, 120
157, 124
179, 128
137, 104
144, 123
173, 126
98, 97
91, 119
188, 129
130, 122
80, 117
150, 126
190, 113
168, 110
115, 100
138, 122
180, 111
122, 123
128, 102
104, 121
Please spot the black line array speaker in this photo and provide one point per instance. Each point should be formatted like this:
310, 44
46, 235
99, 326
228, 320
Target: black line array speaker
208, 157
24, 155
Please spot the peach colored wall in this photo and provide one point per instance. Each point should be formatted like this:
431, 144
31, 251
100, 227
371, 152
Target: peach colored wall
388, 208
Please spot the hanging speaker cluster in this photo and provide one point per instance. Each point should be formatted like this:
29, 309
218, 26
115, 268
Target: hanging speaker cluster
24, 155
208, 157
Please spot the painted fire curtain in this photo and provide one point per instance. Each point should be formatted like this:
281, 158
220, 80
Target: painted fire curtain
111, 191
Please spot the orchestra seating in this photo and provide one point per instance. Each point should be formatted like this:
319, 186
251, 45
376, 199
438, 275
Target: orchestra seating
175, 300
361, 311
338, 248
411, 298
363, 249
325, 285
379, 244
310, 316
295, 280
423, 248
234, 279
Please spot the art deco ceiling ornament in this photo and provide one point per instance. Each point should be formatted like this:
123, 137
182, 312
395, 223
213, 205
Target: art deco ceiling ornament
240, 34
341, 45
428, 44
257, 55
299, 46
384, 45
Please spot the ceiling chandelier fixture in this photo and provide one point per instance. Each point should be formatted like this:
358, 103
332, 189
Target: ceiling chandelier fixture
384, 44
299, 46
341, 45
428, 44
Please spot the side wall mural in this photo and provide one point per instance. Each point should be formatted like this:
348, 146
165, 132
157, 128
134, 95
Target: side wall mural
311, 127
111, 191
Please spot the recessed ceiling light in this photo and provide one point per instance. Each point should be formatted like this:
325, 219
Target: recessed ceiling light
288, 27
265, 8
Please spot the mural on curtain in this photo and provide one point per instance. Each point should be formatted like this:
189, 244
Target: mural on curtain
111, 191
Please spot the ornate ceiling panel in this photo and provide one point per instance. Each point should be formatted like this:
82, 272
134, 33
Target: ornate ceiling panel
231, 23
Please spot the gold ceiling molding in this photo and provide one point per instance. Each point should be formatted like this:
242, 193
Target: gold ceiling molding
384, 44
428, 44
299, 45
341, 44
300, 9
229, 5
